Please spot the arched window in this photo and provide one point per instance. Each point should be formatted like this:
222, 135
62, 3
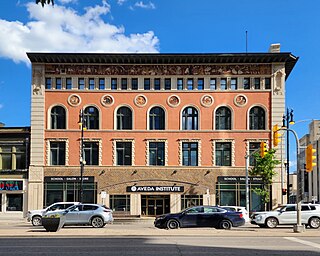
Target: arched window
124, 118
156, 119
257, 119
58, 118
223, 118
91, 116
190, 119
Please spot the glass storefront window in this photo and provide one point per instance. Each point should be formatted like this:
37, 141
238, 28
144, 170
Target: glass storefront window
120, 203
191, 200
14, 202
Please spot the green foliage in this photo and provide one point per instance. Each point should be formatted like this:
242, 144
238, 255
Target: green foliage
43, 2
264, 168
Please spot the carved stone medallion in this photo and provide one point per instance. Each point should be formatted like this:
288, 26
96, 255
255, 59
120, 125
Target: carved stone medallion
74, 100
140, 100
206, 100
240, 100
107, 100
173, 101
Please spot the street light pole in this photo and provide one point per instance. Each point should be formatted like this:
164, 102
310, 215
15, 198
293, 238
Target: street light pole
82, 161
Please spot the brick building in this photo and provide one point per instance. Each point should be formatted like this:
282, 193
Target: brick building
163, 131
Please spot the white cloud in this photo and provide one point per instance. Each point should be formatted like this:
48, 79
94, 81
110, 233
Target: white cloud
61, 29
121, 2
141, 4
67, 1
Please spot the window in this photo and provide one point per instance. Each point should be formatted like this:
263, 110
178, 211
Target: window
48, 83
156, 153
58, 83
120, 203
213, 84
81, 84
223, 84
69, 83
114, 84
57, 153
253, 147
200, 84
190, 153
190, 201
91, 116
124, 118
91, 83
134, 83
190, 119
156, 119
257, 119
102, 85
190, 84
58, 118
223, 118
223, 153
13, 157
157, 84
147, 83
124, 153
234, 83
246, 83
257, 83
91, 153
267, 83
124, 84
167, 83
180, 83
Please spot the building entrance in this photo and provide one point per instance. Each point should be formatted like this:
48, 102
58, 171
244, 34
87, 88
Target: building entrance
155, 205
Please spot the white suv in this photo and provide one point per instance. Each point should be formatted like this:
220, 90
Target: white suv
287, 215
35, 216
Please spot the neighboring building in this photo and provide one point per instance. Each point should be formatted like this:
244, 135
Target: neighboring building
164, 131
14, 164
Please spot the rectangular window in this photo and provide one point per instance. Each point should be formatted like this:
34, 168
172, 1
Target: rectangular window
190, 84
124, 153
156, 153
200, 84
180, 83
157, 84
114, 85
267, 83
91, 153
48, 83
223, 153
81, 83
253, 147
120, 203
124, 84
213, 84
147, 84
91, 83
58, 83
57, 153
167, 83
12, 157
190, 153
134, 83
223, 84
257, 83
246, 83
102, 84
190, 201
234, 83
68, 83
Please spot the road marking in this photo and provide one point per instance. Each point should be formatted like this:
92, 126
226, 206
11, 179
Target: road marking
293, 239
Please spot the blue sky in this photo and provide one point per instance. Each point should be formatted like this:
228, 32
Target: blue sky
166, 26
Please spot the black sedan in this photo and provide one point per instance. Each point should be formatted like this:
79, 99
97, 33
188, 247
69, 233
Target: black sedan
200, 216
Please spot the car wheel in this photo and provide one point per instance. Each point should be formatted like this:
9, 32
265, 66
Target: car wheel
225, 224
173, 224
36, 221
314, 222
271, 222
97, 222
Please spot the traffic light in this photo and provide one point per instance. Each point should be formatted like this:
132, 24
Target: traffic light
263, 149
284, 191
310, 157
276, 136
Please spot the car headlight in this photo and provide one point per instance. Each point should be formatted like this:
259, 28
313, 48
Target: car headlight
258, 217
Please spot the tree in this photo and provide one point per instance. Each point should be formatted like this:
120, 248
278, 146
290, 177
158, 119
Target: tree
43, 2
264, 168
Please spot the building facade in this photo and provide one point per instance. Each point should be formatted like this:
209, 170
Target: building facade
162, 131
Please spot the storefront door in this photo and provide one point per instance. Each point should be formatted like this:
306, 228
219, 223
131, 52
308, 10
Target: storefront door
153, 205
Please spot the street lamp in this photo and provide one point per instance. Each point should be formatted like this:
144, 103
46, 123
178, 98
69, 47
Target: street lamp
82, 125
287, 119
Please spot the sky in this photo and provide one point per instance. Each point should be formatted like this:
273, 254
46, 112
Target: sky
164, 26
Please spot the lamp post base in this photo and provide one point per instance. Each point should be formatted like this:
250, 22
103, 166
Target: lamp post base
298, 228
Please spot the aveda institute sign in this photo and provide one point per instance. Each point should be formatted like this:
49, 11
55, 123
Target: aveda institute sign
156, 189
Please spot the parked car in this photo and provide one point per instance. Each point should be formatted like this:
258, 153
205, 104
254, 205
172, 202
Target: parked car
287, 215
35, 216
95, 215
200, 216
241, 209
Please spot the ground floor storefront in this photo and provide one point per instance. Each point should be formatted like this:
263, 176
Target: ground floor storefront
12, 195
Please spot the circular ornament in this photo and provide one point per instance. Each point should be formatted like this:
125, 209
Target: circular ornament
240, 100
107, 100
206, 100
173, 101
140, 100
74, 100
